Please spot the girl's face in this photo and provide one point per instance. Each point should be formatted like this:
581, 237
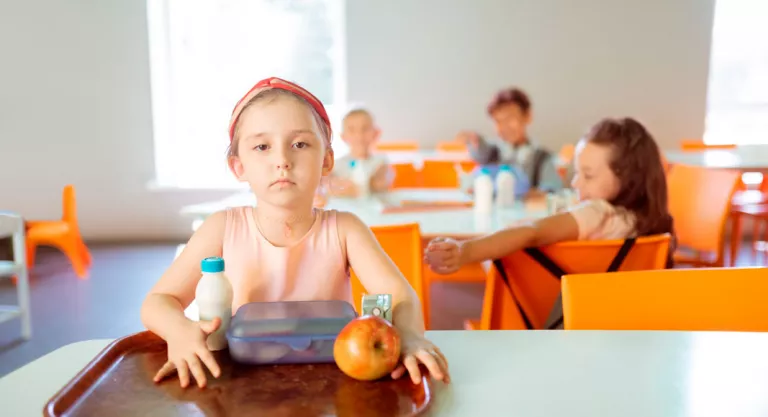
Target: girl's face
594, 178
281, 152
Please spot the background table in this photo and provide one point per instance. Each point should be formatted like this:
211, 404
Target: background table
533, 373
742, 158
462, 222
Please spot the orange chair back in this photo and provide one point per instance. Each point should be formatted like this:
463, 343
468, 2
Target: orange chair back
566, 153
452, 146
406, 176
440, 174
69, 203
699, 145
397, 146
468, 166
536, 290
716, 299
699, 202
403, 245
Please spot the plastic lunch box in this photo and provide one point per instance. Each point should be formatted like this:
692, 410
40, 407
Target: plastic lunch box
287, 331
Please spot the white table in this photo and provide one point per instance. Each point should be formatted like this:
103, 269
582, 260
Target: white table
742, 158
533, 373
461, 222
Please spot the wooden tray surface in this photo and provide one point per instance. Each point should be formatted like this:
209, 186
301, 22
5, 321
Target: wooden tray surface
118, 382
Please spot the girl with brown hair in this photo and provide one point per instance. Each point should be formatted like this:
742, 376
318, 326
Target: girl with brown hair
622, 187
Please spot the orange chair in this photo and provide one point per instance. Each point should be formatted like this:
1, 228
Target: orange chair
717, 299
468, 166
397, 146
566, 159
535, 289
440, 174
452, 146
406, 176
694, 145
744, 203
699, 201
403, 245
752, 204
63, 234
444, 174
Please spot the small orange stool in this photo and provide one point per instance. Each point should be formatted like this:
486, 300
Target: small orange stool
63, 234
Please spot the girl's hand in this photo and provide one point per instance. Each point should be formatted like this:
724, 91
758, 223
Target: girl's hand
416, 349
444, 255
186, 349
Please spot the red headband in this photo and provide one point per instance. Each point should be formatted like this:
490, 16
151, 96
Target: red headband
274, 82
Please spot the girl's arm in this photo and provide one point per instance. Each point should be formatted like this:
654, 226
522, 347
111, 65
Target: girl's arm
163, 310
381, 178
558, 228
379, 275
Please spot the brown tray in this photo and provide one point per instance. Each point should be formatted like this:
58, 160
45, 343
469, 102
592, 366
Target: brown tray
118, 382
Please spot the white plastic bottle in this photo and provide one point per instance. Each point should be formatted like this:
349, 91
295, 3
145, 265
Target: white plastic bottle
214, 299
360, 178
505, 187
483, 189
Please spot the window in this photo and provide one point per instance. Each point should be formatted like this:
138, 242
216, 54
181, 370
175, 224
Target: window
737, 104
205, 54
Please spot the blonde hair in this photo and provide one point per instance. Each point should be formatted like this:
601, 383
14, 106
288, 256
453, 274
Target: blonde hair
268, 96
357, 112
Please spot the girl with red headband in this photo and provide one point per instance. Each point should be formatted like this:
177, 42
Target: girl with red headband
284, 249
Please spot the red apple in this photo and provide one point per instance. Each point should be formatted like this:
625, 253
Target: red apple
367, 348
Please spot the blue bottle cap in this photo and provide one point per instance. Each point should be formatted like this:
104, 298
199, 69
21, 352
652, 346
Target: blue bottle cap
353, 163
506, 168
485, 171
213, 264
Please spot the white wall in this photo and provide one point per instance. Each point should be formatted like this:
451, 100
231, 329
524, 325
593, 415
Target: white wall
429, 67
75, 98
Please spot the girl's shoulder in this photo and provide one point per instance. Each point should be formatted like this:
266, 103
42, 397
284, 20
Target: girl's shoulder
347, 223
593, 206
599, 218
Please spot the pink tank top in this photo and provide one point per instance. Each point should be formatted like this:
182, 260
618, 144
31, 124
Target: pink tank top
314, 268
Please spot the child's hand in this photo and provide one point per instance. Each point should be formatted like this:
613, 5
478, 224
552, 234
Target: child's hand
186, 349
416, 349
443, 255
468, 137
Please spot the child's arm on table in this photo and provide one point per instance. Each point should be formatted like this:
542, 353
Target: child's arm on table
163, 310
342, 187
379, 275
445, 256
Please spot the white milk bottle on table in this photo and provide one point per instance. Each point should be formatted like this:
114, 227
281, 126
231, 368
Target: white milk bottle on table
360, 178
505, 187
214, 299
483, 189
